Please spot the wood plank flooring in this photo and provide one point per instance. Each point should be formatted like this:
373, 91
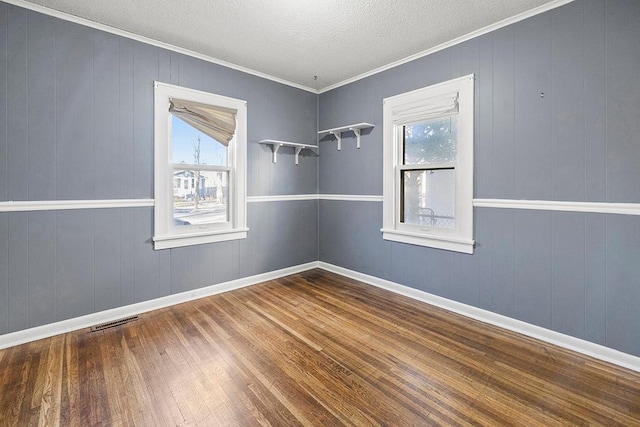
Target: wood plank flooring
312, 349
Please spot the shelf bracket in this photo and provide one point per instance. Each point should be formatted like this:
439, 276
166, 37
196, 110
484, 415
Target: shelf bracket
298, 150
275, 146
357, 132
274, 149
337, 132
338, 136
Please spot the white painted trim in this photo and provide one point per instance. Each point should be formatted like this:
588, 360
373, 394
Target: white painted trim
575, 344
92, 24
108, 29
549, 205
556, 338
296, 197
351, 197
500, 24
56, 205
64, 326
282, 198
587, 207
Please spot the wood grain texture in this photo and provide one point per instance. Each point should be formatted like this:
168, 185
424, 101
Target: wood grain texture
314, 348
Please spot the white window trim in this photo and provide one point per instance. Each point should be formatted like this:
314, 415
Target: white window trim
165, 234
410, 107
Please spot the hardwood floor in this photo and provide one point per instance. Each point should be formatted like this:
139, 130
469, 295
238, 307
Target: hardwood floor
310, 349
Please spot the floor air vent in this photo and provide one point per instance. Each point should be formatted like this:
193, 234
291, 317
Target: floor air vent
113, 324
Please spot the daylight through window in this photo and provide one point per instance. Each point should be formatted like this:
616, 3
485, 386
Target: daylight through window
200, 147
428, 166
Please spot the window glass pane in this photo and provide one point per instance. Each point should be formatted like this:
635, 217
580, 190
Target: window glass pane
428, 198
431, 141
203, 203
189, 145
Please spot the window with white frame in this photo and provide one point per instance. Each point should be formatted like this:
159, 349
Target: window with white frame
428, 166
200, 167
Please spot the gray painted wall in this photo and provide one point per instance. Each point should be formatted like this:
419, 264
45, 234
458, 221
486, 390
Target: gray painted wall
76, 123
570, 272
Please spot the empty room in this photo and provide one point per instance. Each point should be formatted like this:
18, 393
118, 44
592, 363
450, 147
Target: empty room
319, 213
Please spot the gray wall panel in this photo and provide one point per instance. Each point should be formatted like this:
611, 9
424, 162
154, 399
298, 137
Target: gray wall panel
127, 259
465, 286
483, 254
146, 280
304, 219
75, 263
623, 100
404, 268
254, 249
164, 265
42, 267
106, 127
164, 66
503, 262
3, 101
567, 100
225, 261
74, 112
623, 283
484, 140
437, 272
532, 260
4, 268
568, 273
595, 278
17, 115
145, 71
18, 271
595, 105
181, 273
41, 108
126, 119
532, 159
107, 258
502, 108
354, 237
190, 71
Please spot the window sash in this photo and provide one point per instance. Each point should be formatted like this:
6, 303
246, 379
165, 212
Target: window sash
417, 106
165, 234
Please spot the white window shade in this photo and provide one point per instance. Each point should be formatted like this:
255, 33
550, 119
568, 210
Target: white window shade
217, 122
424, 109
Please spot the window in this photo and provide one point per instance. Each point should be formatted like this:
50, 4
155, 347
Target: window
200, 167
428, 166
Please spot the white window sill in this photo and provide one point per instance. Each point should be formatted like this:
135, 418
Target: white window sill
432, 241
177, 241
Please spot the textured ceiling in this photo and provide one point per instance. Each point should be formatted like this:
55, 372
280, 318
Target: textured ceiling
296, 40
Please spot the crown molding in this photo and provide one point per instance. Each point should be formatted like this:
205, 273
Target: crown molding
92, 24
500, 24
112, 30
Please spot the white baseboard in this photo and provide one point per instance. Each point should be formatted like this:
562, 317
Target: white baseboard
64, 326
576, 344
